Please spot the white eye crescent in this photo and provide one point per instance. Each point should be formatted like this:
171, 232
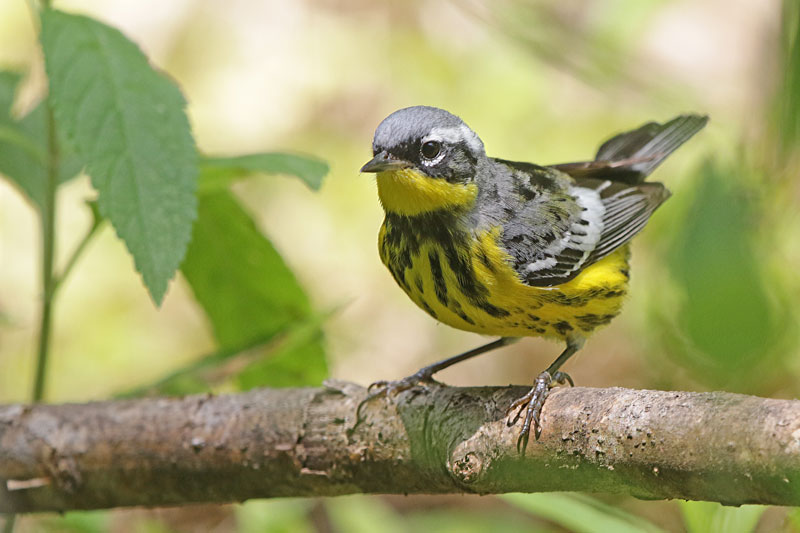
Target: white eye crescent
432, 150
455, 135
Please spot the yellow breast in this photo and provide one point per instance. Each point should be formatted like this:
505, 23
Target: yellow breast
472, 286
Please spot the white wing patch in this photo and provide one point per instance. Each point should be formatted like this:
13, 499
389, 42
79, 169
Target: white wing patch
569, 253
591, 222
539, 264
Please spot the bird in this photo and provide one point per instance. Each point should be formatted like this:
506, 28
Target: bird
513, 249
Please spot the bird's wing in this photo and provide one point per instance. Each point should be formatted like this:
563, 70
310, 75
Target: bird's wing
626, 210
559, 226
631, 156
552, 235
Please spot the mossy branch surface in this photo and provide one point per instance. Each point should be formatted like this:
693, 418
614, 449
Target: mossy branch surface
268, 443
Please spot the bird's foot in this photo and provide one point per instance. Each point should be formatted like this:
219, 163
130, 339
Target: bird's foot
422, 377
391, 388
531, 404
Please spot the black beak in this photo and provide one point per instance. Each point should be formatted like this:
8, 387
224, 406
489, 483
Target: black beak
383, 161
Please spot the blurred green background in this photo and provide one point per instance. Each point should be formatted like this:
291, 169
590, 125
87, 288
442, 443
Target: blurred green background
715, 294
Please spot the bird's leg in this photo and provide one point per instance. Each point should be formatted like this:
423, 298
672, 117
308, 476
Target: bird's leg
532, 402
425, 374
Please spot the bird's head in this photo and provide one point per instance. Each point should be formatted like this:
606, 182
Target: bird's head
426, 159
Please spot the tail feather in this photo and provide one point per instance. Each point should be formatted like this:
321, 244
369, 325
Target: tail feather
631, 156
652, 142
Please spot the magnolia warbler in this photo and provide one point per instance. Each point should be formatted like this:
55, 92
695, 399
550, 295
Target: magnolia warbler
508, 248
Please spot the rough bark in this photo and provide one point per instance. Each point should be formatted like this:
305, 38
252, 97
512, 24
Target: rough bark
300, 442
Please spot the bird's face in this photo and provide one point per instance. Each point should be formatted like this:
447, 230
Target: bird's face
426, 159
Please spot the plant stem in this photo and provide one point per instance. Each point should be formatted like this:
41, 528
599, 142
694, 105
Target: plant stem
48, 216
49, 282
48, 250
96, 224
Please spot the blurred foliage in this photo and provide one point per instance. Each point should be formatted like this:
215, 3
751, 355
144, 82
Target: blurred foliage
78, 522
793, 520
361, 514
102, 87
473, 521
708, 517
590, 44
726, 311
581, 514
292, 357
788, 99
280, 516
727, 324
726, 314
298, 360
23, 145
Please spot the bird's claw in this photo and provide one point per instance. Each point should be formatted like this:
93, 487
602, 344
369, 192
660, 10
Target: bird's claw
531, 404
393, 388
562, 378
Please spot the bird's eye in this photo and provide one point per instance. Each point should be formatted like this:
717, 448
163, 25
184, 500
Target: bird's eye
430, 149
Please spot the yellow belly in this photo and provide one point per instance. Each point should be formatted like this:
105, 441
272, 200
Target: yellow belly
511, 308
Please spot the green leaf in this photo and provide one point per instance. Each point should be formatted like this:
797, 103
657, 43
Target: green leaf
238, 277
249, 294
219, 172
24, 145
710, 517
299, 360
580, 514
128, 124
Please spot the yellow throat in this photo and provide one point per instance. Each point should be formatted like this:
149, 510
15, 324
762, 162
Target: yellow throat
409, 192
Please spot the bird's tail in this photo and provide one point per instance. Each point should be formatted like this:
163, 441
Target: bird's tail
631, 156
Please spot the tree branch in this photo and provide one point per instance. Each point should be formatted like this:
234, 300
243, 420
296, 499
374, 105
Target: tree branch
299, 442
